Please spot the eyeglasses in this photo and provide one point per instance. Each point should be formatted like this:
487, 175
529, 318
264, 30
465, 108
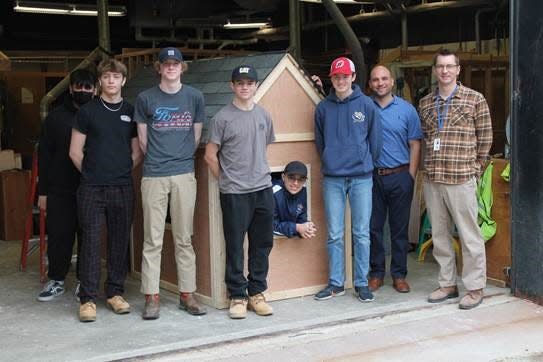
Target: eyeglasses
293, 178
445, 66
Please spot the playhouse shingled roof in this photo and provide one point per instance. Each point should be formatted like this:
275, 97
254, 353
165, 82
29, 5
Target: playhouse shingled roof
210, 76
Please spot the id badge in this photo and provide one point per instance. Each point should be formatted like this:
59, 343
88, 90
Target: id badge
437, 144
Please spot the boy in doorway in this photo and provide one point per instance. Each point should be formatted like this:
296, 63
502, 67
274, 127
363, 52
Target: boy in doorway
290, 196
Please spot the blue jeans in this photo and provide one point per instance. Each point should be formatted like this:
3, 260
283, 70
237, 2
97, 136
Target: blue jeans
335, 192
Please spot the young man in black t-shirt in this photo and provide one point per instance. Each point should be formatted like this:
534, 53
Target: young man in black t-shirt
104, 147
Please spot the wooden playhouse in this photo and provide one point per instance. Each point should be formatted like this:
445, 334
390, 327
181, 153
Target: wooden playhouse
297, 267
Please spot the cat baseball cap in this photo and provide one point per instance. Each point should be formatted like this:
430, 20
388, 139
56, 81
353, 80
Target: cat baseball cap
342, 65
170, 53
244, 72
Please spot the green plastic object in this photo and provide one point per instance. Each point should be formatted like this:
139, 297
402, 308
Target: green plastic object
505, 172
485, 200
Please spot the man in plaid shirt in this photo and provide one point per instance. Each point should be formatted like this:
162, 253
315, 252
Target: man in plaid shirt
458, 134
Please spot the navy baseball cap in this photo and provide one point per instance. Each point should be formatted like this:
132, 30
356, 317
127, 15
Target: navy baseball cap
244, 72
296, 168
170, 53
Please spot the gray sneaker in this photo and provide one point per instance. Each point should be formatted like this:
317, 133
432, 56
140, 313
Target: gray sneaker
51, 290
152, 307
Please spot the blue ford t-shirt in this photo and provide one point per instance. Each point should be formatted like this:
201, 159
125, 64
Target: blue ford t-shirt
401, 124
170, 122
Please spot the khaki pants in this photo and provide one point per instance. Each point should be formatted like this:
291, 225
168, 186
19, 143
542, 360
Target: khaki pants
154, 193
458, 202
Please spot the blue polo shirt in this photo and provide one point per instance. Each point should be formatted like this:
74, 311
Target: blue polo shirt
401, 124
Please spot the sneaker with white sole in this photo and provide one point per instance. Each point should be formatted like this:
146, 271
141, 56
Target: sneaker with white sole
51, 290
329, 292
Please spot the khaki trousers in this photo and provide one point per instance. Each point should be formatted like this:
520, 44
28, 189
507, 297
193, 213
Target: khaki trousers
456, 203
181, 190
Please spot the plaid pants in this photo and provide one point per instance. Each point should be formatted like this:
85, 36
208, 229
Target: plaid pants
115, 204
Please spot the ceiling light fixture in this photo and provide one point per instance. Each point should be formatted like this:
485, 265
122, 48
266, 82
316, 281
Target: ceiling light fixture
341, 2
247, 25
41, 7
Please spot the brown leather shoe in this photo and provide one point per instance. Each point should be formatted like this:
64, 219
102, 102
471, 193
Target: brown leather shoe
401, 285
375, 283
190, 304
472, 299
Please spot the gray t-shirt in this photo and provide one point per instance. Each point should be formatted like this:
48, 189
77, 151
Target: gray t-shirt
170, 122
242, 137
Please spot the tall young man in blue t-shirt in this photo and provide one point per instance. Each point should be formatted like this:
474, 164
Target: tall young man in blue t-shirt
393, 180
169, 118
348, 137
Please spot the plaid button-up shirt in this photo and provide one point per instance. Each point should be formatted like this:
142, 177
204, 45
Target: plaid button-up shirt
465, 138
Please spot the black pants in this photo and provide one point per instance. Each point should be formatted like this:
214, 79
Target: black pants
250, 213
115, 204
61, 232
392, 194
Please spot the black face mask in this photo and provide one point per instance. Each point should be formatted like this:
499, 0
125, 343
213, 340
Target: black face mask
81, 98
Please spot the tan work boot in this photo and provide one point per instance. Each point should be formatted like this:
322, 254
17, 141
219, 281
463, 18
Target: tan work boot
238, 308
258, 304
442, 294
190, 304
472, 299
118, 305
152, 307
87, 312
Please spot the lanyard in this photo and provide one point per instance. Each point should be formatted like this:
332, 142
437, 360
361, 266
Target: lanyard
441, 116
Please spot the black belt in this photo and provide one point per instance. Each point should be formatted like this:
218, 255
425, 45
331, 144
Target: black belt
390, 171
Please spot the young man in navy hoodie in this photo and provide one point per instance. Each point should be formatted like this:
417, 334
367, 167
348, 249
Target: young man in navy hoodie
348, 136
290, 198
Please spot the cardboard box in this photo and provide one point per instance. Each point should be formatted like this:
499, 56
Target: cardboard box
7, 160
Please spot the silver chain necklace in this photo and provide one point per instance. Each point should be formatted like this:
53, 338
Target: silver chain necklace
110, 109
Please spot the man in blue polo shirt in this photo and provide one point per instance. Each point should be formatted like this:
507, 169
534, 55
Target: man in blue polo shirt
393, 180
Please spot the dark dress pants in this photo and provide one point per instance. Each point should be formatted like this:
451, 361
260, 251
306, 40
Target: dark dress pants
393, 194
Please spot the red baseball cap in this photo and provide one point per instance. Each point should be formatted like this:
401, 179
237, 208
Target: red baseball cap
342, 65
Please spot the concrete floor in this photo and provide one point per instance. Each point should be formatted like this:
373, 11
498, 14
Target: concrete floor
51, 331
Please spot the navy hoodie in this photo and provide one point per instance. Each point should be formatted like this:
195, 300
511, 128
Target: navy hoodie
348, 134
289, 210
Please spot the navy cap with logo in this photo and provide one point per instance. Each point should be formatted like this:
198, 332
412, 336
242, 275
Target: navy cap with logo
244, 72
170, 53
296, 168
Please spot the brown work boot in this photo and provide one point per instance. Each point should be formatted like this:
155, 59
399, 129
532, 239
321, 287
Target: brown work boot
442, 294
472, 299
238, 308
118, 305
375, 283
401, 285
87, 312
152, 307
190, 304
257, 303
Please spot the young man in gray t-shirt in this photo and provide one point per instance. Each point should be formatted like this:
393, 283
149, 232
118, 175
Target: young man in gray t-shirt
169, 118
236, 154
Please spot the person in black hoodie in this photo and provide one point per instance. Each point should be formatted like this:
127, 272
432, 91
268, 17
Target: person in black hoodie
290, 197
59, 180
